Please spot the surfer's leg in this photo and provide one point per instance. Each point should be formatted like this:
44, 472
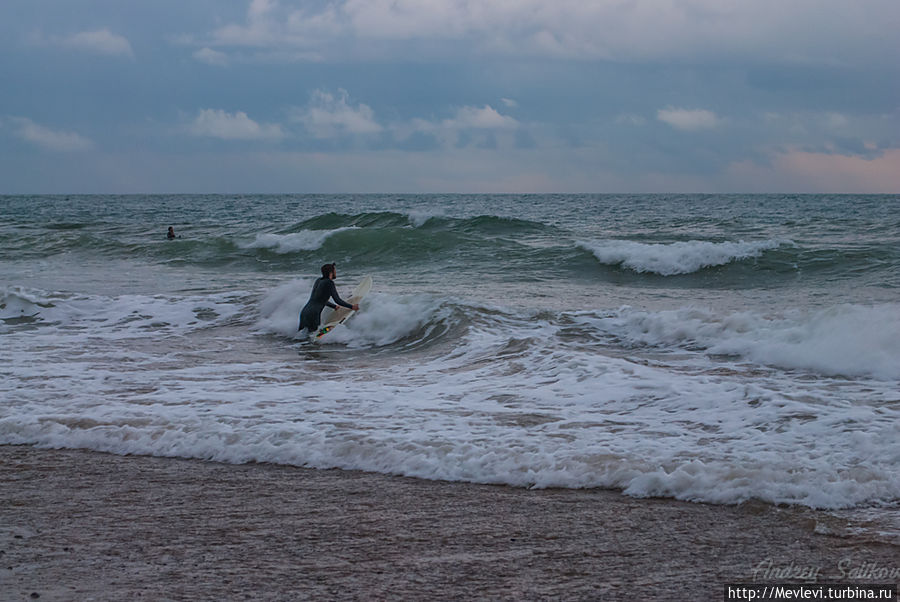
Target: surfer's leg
310, 318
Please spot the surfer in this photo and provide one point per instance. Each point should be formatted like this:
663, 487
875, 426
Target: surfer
323, 290
171, 233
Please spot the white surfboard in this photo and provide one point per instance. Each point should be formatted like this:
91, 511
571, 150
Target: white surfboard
333, 317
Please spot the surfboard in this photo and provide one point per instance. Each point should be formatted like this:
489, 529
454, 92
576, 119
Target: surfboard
333, 317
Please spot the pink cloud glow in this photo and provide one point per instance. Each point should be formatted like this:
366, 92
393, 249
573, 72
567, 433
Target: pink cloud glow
821, 172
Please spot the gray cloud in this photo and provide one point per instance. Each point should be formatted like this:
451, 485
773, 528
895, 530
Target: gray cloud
99, 41
328, 115
689, 119
478, 94
829, 32
47, 138
211, 57
217, 123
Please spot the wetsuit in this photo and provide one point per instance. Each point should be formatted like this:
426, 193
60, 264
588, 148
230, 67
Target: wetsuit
322, 290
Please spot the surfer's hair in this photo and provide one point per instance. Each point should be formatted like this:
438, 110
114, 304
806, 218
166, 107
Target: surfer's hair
327, 269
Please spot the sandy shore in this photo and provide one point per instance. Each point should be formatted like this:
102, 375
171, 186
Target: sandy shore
78, 525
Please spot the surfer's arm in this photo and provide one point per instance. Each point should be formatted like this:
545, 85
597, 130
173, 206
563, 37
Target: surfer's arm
337, 298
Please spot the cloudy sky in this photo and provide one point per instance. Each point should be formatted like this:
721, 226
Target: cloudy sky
106, 96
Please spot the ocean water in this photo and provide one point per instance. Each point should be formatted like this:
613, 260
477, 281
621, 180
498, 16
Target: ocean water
700, 347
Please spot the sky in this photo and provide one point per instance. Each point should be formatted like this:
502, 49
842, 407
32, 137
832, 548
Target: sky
409, 96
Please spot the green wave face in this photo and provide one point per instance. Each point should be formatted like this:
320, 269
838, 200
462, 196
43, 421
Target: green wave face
577, 240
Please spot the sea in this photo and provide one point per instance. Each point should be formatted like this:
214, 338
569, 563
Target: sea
711, 348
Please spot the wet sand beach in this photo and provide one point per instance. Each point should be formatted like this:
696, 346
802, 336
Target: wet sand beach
79, 525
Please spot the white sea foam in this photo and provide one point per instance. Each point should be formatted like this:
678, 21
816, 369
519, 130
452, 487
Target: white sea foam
305, 240
567, 419
140, 349
279, 310
844, 340
675, 258
382, 320
16, 302
386, 319
509, 399
118, 316
418, 217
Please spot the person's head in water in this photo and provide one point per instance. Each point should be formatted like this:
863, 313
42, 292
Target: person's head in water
171, 232
329, 270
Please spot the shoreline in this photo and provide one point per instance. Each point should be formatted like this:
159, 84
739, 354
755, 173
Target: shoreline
88, 525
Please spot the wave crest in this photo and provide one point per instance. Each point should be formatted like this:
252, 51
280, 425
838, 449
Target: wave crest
387, 319
305, 240
845, 340
676, 258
